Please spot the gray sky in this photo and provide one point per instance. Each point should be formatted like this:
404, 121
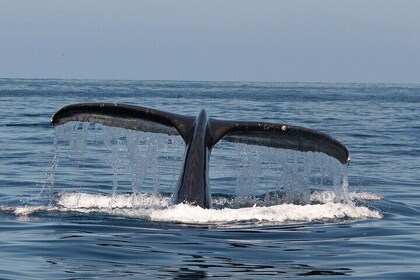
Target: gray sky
261, 40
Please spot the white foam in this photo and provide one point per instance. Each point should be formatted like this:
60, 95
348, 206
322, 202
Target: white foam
158, 208
284, 213
330, 196
95, 201
364, 196
28, 209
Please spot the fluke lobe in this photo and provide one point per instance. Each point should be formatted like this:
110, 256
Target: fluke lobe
200, 134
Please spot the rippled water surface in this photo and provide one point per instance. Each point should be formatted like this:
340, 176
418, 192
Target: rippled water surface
88, 201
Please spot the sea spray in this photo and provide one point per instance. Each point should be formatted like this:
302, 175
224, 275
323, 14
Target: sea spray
146, 162
285, 176
67, 134
51, 175
248, 171
134, 155
272, 185
153, 152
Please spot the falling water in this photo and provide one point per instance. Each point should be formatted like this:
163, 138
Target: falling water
48, 182
142, 162
269, 176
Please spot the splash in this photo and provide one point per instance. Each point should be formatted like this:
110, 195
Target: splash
126, 160
157, 207
249, 183
278, 175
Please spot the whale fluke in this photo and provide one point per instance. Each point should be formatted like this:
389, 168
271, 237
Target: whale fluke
281, 136
200, 134
125, 116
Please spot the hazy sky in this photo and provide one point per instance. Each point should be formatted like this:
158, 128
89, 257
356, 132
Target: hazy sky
261, 40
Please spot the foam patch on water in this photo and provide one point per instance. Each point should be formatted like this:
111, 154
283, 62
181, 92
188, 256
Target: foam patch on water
95, 201
29, 209
158, 208
284, 213
330, 196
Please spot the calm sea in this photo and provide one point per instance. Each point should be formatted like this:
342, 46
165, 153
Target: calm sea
86, 201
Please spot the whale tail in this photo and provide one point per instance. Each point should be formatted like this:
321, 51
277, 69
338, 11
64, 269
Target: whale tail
200, 134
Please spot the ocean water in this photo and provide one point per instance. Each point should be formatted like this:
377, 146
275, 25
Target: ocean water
86, 201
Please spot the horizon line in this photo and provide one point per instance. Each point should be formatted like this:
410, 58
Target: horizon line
208, 81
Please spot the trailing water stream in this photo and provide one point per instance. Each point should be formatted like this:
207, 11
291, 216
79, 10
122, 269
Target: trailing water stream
250, 184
